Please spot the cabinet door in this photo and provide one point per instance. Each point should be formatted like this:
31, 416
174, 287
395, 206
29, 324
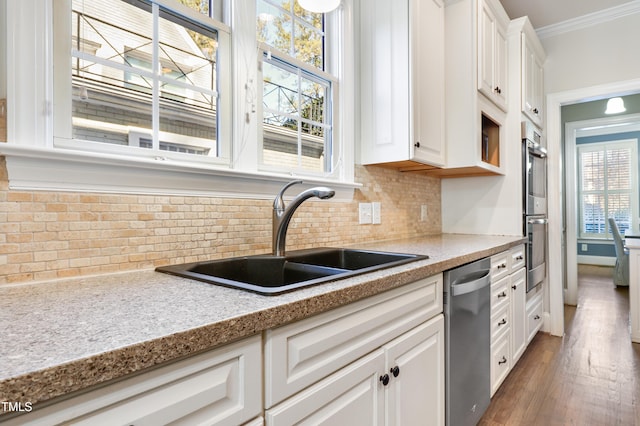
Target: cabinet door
500, 71
353, 395
384, 82
301, 353
486, 31
416, 394
532, 84
427, 80
219, 387
518, 314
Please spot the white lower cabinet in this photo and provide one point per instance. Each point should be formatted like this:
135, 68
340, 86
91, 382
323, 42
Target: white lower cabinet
401, 383
510, 323
534, 316
377, 361
220, 387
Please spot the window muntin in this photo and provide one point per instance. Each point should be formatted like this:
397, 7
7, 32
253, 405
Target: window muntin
607, 187
141, 71
297, 93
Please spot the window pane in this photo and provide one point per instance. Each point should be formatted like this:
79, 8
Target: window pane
593, 217
299, 33
619, 169
619, 208
274, 27
115, 81
592, 170
187, 54
308, 45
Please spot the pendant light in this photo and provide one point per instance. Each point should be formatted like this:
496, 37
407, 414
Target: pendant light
319, 6
615, 106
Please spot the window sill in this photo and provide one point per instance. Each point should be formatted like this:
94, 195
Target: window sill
40, 169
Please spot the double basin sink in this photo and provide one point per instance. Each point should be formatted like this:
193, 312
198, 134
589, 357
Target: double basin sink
270, 275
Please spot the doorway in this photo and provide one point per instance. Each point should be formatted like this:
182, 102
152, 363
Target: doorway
559, 269
611, 143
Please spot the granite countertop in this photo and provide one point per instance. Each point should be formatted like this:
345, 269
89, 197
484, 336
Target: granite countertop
67, 335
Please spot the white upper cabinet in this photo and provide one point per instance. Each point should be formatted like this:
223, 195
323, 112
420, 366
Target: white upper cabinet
475, 88
533, 79
402, 83
527, 69
492, 53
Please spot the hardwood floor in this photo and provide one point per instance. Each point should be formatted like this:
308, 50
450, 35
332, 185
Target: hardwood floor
591, 376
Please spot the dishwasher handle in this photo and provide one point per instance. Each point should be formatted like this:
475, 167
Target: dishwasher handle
470, 282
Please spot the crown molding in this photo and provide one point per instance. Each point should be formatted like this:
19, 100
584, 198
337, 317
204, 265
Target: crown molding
589, 20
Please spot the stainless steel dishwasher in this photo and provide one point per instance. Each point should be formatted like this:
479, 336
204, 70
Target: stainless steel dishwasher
467, 335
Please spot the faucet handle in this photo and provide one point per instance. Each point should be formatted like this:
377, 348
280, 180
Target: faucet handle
278, 203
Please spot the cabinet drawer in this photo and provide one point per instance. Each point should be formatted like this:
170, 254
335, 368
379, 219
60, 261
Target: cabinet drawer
517, 257
499, 266
222, 386
500, 323
300, 354
500, 294
534, 317
500, 362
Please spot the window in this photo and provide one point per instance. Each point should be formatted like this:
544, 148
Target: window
152, 96
607, 187
297, 92
141, 70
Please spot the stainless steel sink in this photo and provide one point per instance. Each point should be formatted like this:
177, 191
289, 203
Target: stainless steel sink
269, 275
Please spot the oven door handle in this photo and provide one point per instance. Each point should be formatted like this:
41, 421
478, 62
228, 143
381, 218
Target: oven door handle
537, 221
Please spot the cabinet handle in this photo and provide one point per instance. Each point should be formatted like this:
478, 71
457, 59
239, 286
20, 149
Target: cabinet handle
502, 265
503, 294
535, 111
395, 371
417, 144
537, 317
515, 287
497, 90
503, 360
520, 258
385, 379
503, 321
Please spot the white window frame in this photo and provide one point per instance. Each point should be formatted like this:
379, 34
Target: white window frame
35, 163
632, 145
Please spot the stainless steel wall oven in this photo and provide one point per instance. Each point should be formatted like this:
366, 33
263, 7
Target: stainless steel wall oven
535, 171
534, 203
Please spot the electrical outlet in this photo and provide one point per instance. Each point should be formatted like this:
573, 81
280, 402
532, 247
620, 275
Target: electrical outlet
375, 213
364, 210
584, 247
424, 213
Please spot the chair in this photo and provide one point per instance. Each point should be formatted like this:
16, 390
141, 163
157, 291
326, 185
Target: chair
621, 270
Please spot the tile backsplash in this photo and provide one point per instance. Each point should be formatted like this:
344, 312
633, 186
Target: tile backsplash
49, 235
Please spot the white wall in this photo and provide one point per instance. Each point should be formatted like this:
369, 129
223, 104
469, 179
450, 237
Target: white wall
596, 55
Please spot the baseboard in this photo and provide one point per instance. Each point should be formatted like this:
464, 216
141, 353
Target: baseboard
597, 260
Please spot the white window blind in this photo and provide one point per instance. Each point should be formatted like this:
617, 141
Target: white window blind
607, 186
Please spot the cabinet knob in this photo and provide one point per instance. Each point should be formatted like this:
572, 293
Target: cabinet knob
503, 360
515, 287
502, 265
395, 371
519, 258
417, 144
503, 321
537, 317
497, 89
385, 379
535, 111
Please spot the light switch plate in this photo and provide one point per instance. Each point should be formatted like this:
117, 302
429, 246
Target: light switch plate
364, 210
375, 213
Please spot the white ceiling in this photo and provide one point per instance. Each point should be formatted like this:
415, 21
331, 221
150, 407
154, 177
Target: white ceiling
546, 12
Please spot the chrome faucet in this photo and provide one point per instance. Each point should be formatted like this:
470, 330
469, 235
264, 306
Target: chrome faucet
282, 215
